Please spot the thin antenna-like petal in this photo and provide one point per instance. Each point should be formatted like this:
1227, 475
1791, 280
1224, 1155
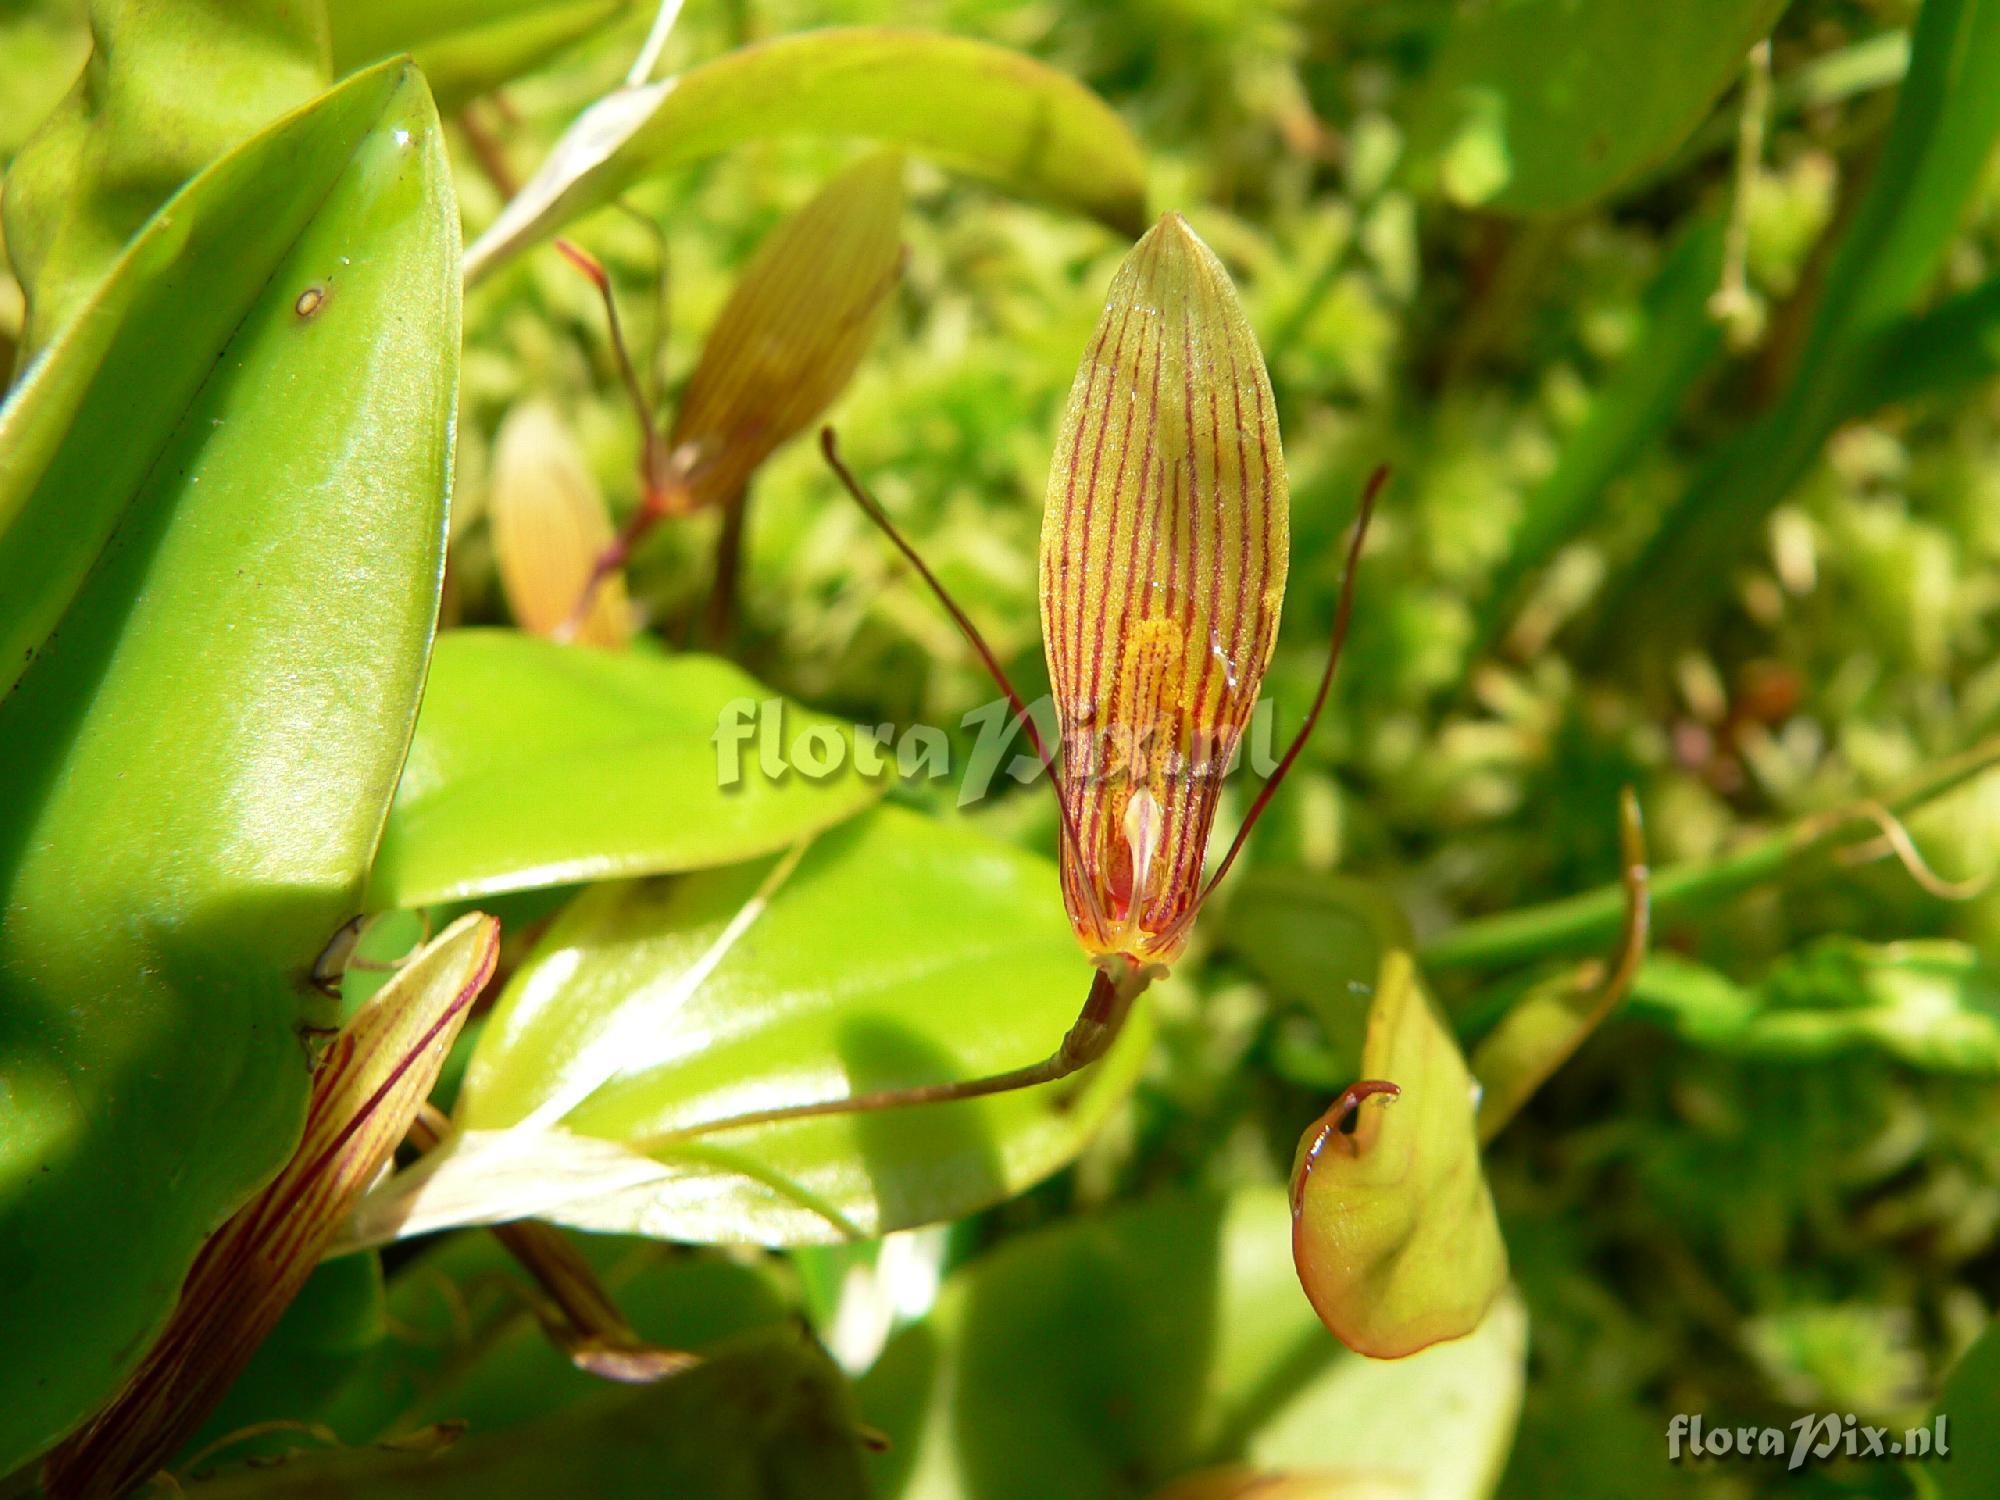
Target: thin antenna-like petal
1164, 548
789, 338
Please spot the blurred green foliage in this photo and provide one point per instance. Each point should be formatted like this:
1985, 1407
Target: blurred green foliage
1771, 1185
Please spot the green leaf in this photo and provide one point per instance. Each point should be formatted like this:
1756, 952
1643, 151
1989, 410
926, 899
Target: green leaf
465, 47
1394, 1232
1543, 106
541, 764
988, 111
200, 753
1933, 1004
1111, 1355
898, 951
170, 86
765, 1417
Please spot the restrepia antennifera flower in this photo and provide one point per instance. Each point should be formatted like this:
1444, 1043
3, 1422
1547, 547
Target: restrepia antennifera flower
1164, 549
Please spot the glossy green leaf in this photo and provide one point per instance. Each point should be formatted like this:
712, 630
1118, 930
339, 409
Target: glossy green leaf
766, 1417
897, 951
540, 764
467, 1345
1394, 1230
170, 86
41, 51
199, 756
465, 47
1542, 106
1112, 1355
983, 109
1929, 1003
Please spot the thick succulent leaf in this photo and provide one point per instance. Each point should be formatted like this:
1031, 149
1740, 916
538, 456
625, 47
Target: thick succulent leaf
1932, 1003
539, 764
224, 678
1113, 1355
1164, 547
1929, 175
896, 951
365, 1092
1542, 106
986, 110
550, 526
1394, 1231
789, 338
464, 47
765, 1417
170, 86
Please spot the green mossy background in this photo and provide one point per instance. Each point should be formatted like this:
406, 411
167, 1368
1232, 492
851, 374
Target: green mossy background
1748, 1231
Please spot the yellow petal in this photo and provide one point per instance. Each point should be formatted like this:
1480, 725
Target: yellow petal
364, 1094
1164, 546
549, 528
789, 338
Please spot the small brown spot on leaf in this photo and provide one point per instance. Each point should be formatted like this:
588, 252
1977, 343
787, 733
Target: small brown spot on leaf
311, 300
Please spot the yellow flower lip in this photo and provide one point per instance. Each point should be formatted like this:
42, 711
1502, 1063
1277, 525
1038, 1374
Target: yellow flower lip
1165, 541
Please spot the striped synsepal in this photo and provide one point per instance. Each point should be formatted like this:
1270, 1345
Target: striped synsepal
365, 1092
1164, 548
